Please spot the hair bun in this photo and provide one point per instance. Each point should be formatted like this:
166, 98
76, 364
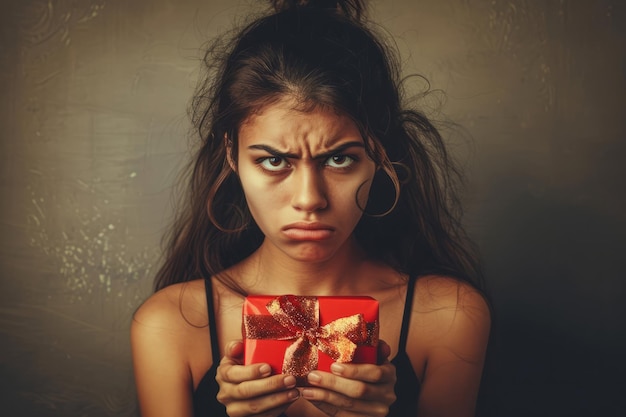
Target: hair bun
349, 8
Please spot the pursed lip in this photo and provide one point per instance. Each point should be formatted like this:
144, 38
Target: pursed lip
308, 231
309, 226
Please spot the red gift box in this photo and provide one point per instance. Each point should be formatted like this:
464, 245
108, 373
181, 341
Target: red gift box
297, 334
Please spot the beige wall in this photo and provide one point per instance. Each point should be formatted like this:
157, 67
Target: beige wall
93, 127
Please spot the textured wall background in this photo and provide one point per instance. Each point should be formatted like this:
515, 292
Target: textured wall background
93, 128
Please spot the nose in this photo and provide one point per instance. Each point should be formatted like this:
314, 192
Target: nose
308, 193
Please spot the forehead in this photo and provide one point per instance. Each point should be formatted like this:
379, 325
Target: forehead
285, 124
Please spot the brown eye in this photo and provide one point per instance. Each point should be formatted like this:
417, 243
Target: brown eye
274, 163
339, 161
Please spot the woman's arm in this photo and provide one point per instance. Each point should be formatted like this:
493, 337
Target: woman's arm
162, 376
450, 329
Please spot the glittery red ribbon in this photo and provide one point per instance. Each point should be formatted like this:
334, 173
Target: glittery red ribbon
297, 318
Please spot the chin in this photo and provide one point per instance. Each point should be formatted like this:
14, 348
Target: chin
311, 254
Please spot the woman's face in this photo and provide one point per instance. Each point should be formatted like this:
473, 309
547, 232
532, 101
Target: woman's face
306, 177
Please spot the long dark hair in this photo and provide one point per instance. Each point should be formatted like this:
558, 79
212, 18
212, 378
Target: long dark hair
322, 54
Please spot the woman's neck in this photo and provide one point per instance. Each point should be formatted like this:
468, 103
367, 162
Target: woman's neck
270, 271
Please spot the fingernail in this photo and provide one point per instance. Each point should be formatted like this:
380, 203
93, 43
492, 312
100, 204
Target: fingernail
314, 377
265, 369
336, 368
308, 393
289, 381
292, 395
232, 346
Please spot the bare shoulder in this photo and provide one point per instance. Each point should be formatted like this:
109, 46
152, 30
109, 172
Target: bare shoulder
448, 337
451, 314
165, 331
446, 296
174, 308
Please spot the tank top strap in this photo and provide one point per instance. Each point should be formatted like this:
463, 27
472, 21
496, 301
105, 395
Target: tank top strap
210, 306
406, 316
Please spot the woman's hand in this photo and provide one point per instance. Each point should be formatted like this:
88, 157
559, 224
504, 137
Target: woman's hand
354, 389
248, 390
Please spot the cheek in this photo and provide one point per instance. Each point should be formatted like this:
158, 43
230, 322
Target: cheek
353, 196
362, 189
251, 184
363, 193
262, 197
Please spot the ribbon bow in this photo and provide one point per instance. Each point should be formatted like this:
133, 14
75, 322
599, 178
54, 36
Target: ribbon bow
297, 318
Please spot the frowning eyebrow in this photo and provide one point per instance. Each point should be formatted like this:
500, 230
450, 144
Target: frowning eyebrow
324, 155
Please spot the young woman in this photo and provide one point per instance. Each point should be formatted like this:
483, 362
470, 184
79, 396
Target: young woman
312, 179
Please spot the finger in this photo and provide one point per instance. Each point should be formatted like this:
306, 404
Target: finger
377, 374
335, 404
332, 411
265, 386
333, 398
231, 371
234, 349
353, 388
233, 353
268, 405
328, 409
256, 388
384, 350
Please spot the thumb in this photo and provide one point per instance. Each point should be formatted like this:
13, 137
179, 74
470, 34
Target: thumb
234, 349
383, 351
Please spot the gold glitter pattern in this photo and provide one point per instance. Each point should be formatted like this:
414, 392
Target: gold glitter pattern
297, 318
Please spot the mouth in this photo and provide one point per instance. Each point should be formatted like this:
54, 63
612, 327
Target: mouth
311, 231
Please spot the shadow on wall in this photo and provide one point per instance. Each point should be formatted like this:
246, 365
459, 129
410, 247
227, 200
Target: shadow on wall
556, 277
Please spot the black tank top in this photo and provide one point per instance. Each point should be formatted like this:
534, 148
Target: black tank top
205, 403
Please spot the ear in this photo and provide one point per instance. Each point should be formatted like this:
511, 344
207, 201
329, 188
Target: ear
228, 145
